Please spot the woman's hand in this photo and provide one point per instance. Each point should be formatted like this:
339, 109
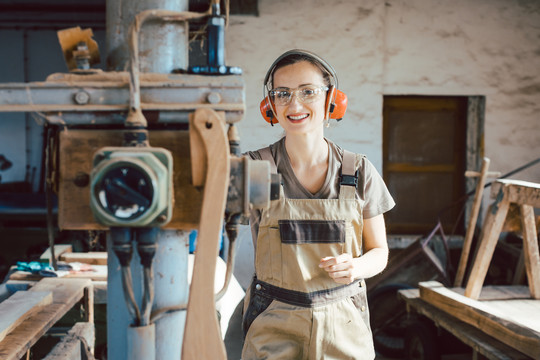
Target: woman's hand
340, 268
344, 269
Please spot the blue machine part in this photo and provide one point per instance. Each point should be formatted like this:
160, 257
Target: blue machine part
193, 242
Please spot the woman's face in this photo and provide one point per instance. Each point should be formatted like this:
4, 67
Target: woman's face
297, 116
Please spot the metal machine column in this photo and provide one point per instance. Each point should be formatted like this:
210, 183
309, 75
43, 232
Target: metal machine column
115, 169
162, 48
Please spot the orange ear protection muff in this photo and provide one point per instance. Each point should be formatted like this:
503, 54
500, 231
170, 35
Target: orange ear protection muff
267, 110
336, 100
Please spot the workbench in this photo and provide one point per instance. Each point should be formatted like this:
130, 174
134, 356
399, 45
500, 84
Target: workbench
482, 345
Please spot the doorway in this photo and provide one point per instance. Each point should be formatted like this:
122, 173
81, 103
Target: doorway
428, 143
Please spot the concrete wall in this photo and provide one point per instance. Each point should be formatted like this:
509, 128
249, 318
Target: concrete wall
414, 47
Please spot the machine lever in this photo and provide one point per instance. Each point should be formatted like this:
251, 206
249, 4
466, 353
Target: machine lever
204, 341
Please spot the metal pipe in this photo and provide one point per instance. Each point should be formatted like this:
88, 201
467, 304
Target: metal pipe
171, 289
163, 47
141, 341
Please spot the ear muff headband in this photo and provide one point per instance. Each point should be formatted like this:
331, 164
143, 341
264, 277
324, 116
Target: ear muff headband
336, 100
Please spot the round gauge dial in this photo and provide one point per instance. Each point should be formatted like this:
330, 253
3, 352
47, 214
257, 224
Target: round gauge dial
125, 192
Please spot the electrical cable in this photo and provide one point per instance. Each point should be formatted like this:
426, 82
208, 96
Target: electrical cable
129, 296
123, 248
146, 246
148, 298
232, 234
159, 313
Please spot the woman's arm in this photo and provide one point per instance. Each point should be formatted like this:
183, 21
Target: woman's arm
344, 269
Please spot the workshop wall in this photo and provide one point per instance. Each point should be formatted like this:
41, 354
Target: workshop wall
396, 47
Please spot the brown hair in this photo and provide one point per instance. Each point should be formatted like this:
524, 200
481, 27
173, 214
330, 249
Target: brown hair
296, 58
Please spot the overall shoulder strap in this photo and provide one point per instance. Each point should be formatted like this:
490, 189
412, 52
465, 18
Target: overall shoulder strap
349, 176
349, 173
266, 154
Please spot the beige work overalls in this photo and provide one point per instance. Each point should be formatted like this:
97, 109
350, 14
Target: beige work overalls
293, 309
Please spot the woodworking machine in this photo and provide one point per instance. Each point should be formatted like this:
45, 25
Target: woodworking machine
148, 151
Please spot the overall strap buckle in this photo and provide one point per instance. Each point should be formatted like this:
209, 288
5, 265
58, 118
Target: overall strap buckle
349, 180
349, 173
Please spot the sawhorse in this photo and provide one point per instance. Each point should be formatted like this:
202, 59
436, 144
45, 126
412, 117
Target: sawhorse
527, 196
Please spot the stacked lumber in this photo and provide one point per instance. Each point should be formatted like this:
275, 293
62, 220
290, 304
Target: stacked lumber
37, 310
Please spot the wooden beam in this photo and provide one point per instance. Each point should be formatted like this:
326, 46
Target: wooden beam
519, 192
93, 258
500, 292
58, 251
20, 306
469, 335
531, 255
486, 246
472, 223
486, 318
79, 341
88, 300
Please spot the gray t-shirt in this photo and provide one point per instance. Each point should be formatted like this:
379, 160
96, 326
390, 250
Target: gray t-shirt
371, 191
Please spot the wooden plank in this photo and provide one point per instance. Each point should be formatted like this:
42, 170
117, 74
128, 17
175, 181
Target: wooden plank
479, 314
525, 312
100, 288
99, 273
88, 300
500, 292
469, 335
100, 292
519, 192
20, 306
72, 346
58, 251
93, 258
531, 255
488, 240
66, 293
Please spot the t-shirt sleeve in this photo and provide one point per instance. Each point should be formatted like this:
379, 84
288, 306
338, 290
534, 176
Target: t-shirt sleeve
373, 190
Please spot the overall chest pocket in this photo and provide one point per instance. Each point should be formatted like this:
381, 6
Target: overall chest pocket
312, 231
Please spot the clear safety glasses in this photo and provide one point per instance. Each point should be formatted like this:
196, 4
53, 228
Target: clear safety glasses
306, 94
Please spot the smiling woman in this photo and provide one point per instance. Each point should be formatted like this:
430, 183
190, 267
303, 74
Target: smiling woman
316, 244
